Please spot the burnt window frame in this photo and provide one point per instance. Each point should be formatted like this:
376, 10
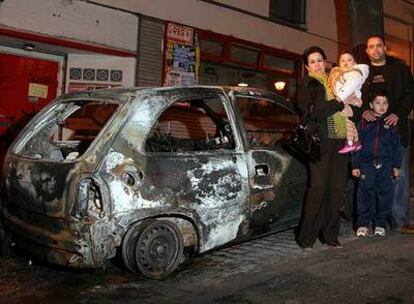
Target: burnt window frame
229, 110
241, 121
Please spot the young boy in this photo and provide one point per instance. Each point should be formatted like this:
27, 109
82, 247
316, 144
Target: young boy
375, 164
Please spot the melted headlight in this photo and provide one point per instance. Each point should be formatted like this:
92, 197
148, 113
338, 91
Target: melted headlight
89, 200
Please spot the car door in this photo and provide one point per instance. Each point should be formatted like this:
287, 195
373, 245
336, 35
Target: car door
277, 180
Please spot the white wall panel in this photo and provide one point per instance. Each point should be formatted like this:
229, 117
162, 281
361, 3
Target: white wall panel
320, 14
95, 62
260, 7
73, 19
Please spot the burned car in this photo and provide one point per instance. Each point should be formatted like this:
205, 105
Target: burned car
151, 174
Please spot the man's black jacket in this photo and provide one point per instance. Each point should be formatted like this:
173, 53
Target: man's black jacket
400, 93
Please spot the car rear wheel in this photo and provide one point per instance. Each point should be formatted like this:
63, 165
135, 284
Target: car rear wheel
159, 249
129, 243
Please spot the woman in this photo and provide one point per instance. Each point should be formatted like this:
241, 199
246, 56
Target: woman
321, 211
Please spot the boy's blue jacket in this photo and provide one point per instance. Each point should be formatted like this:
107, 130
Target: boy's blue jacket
380, 143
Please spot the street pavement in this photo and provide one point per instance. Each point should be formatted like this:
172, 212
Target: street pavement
271, 269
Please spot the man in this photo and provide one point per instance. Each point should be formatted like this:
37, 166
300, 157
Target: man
394, 77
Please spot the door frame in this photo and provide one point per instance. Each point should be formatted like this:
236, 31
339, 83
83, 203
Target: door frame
61, 60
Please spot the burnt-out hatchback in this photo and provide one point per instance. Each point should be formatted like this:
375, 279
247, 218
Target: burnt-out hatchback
151, 174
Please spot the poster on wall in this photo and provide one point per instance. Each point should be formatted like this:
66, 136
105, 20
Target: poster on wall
181, 55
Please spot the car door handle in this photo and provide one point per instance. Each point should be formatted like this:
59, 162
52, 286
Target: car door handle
262, 169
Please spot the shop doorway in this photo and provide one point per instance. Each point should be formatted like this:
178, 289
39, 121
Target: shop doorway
26, 86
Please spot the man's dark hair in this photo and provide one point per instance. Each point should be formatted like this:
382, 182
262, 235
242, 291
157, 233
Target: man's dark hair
310, 50
376, 36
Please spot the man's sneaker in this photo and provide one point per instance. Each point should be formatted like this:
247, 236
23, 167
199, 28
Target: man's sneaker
379, 231
407, 229
362, 231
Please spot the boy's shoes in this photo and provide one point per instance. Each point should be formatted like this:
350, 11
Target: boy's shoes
362, 231
379, 231
350, 148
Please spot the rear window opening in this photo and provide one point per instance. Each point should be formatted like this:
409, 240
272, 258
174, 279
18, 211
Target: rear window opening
66, 131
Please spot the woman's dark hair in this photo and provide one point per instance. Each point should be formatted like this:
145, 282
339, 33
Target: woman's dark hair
310, 50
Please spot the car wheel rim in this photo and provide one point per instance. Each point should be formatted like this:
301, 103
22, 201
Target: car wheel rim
159, 249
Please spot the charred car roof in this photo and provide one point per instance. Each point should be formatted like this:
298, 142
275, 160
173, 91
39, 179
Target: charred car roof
127, 93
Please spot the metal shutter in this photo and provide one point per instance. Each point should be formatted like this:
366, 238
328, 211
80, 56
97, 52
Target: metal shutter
149, 71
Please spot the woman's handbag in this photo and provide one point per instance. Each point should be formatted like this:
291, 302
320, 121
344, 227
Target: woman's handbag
305, 140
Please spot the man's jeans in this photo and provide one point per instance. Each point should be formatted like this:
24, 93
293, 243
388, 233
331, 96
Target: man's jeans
401, 199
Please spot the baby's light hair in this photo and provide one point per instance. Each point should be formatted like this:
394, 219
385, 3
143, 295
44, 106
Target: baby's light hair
346, 52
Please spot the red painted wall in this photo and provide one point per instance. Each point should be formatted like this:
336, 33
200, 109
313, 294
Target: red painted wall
16, 73
16, 107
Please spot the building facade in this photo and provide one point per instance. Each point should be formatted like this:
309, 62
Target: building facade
61, 46
398, 29
237, 42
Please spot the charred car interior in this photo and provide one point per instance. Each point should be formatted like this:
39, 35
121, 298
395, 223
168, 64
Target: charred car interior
151, 174
192, 125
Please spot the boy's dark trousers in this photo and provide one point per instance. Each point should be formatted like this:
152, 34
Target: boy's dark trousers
375, 193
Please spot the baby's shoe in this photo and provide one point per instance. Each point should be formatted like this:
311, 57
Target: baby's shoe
358, 147
347, 149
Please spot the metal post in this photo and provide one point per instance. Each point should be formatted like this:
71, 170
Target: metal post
366, 17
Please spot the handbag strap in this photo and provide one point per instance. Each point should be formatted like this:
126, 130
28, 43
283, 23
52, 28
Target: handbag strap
308, 113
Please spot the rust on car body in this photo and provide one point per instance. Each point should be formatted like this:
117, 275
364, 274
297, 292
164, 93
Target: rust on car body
90, 167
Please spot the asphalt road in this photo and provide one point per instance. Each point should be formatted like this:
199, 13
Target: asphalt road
268, 270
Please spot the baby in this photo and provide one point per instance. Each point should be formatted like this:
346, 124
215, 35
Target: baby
345, 80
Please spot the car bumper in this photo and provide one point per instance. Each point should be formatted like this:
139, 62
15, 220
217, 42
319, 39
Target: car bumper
51, 240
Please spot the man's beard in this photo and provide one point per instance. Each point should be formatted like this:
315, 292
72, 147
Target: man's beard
378, 60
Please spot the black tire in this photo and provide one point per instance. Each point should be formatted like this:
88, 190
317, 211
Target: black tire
159, 249
129, 243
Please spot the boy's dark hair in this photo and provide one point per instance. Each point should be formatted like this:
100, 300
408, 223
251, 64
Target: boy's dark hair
375, 93
310, 50
376, 36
